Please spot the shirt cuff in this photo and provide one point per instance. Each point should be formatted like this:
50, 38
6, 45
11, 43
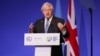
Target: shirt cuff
64, 32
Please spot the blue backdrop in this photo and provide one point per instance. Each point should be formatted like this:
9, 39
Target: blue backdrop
16, 15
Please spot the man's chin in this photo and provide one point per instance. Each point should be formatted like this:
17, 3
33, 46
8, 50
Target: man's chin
48, 16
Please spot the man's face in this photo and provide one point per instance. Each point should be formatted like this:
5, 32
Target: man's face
47, 11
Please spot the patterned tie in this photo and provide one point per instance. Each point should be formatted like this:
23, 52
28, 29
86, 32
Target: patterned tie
47, 26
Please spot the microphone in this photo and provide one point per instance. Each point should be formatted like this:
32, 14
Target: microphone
90, 10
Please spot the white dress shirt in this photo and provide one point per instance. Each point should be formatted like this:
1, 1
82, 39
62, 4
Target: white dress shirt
50, 19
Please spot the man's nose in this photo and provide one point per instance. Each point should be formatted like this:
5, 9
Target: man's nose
47, 12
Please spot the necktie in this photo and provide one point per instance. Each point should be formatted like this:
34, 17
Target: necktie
47, 26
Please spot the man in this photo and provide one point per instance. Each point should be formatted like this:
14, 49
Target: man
55, 25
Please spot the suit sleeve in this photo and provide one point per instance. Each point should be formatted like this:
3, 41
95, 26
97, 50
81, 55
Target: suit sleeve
66, 34
35, 26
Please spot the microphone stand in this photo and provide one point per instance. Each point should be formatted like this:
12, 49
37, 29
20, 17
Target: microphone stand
91, 37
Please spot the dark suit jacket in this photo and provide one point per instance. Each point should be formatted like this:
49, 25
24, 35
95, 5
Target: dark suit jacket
53, 28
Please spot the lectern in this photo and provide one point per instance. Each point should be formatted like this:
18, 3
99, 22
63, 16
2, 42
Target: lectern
42, 42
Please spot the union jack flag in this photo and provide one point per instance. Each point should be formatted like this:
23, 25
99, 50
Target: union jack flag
72, 41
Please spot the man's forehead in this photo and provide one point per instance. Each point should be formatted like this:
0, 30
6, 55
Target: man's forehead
47, 7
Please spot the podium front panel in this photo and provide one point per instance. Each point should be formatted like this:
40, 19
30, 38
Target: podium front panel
41, 39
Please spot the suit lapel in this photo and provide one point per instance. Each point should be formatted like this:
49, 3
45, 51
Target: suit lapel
52, 26
42, 25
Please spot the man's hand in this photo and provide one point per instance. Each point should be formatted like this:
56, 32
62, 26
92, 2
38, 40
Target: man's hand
31, 26
61, 27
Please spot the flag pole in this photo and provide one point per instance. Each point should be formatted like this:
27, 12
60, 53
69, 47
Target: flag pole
91, 37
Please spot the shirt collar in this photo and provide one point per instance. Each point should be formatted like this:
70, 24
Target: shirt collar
49, 19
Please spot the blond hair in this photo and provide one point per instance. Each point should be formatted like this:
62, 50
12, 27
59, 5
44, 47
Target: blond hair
47, 4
